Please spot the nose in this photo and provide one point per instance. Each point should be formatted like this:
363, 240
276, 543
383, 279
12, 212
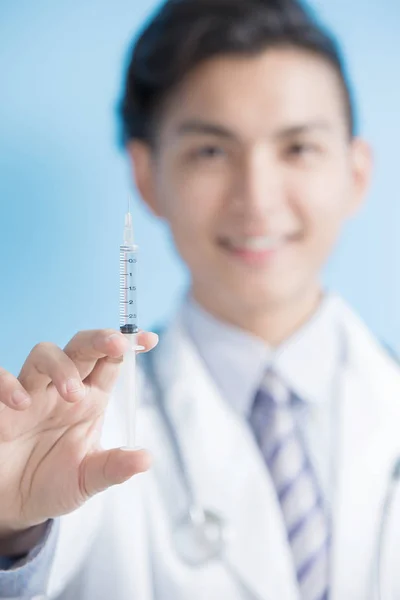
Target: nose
259, 187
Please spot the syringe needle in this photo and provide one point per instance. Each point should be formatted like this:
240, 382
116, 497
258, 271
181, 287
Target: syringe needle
128, 229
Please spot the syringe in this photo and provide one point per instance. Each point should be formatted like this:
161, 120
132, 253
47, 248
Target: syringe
128, 326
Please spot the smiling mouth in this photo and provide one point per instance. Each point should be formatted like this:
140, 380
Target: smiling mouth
257, 244
262, 251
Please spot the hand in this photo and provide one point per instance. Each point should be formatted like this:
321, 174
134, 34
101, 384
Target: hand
50, 425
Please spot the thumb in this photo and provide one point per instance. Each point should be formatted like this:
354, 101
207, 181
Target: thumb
101, 470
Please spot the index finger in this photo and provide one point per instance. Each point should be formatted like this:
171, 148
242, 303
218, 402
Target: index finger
87, 347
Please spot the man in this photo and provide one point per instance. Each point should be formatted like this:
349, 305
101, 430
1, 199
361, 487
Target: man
269, 409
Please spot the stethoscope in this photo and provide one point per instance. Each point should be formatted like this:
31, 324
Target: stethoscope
202, 536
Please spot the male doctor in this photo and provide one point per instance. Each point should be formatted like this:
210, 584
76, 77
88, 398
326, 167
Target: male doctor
268, 406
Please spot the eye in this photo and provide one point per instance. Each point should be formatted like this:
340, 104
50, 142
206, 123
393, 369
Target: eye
299, 149
208, 152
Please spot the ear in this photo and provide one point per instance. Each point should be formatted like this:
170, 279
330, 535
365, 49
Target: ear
361, 172
142, 164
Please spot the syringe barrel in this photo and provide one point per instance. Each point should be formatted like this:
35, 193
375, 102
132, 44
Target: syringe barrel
128, 289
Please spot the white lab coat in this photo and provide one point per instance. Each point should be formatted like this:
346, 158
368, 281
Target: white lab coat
119, 546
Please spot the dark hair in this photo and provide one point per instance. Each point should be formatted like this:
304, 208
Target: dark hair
184, 33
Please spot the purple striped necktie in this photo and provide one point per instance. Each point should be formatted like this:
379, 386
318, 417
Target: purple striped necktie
274, 425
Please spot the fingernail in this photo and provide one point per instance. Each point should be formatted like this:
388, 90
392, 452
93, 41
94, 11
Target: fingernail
114, 336
127, 449
74, 386
20, 398
139, 348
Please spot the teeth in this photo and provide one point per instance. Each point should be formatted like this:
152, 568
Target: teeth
258, 243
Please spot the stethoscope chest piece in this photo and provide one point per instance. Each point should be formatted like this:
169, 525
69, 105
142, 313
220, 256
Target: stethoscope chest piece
200, 537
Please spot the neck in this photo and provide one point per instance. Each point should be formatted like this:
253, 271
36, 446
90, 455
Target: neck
273, 324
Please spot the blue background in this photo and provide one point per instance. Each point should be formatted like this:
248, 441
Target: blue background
64, 184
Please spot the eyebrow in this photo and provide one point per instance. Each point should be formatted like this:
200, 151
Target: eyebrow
198, 126
206, 128
303, 128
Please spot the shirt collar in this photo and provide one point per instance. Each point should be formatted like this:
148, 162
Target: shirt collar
307, 362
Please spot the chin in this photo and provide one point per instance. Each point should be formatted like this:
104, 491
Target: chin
258, 298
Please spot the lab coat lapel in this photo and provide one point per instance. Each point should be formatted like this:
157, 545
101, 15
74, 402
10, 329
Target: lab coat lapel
227, 470
368, 442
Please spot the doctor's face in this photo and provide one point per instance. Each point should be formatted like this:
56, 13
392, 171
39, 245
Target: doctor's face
255, 172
